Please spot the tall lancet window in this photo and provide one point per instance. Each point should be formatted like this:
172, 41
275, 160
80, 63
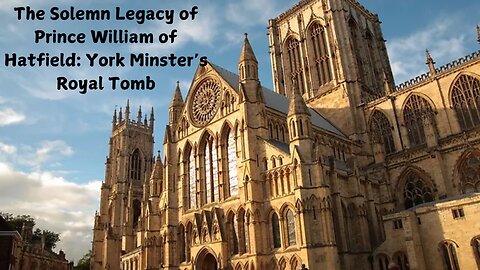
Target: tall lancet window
192, 181
417, 113
290, 220
466, 101
323, 68
232, 164
135, 165
295, 63
211, 171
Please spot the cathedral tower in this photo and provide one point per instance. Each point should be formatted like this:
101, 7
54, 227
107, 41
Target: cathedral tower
335, 50
128, 166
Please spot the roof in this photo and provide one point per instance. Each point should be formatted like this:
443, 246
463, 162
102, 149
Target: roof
280, 145
278, 102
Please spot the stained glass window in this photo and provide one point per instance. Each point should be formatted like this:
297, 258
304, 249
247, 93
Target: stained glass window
466, 101
416, 191
292, 240
192, 181
232, 164
470, 174
381, 131
320, 52
208, 164
416, 113
450, 256
295, 62
135, 165
275, 231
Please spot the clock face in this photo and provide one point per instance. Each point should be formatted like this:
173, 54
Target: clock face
205, 102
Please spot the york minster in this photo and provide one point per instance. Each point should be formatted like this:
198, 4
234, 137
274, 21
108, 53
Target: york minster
337, 167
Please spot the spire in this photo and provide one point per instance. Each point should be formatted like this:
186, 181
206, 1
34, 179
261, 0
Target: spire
431, 64
478, 33
152, 119
120, 116
145, 122
247, 51
127, 111
139, 116
114, 120
177, 97
386, 83
297, 104
247, 64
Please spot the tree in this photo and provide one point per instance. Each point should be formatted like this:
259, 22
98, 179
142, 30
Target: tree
51, 238
18, 221
84, 262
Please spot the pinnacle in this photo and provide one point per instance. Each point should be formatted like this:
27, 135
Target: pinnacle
247, 51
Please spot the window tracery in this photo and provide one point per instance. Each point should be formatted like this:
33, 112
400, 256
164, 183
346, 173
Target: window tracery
417, 113
416, 191
290, 220
323, 69
450, 258
135, 165
470, 173
381, 132
295, 63
466, 101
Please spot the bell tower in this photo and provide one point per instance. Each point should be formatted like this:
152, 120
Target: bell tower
335, 50
128, 166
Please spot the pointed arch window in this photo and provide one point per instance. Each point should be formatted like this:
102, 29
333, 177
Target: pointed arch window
470, 173
416, 191
136, 212
476, 249
319, 46
417, 113
354, 35
192, 181
290, 222
449, 254
135, 165
401, 260
295, 63
275, 231
232, 233
381, 131
181, 243
232, 164
466, 101
211, 171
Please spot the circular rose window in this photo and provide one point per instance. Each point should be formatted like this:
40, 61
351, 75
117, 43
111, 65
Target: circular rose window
205, 102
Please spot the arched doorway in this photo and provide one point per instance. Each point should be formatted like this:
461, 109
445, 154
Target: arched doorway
207, 262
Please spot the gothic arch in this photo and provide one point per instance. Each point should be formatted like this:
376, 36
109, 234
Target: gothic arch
319, 51
295, 262
381, 130
292, 51
467, 171
465, 99
418, 111
417, 186
448, 252
203, 253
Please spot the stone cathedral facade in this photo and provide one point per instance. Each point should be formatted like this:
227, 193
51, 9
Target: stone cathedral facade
337, 168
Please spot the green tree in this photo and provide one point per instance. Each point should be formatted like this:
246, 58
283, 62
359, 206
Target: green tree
84, 262
18, 221
51, 238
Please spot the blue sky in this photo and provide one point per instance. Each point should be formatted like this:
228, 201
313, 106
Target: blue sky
53, 144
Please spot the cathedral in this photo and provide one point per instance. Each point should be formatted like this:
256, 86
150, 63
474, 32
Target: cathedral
335, 168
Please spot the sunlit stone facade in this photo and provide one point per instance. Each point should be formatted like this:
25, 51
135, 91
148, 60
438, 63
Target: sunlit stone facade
337, 168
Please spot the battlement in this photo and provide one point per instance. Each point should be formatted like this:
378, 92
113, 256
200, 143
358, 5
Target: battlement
123, 120
302, 3
439, 71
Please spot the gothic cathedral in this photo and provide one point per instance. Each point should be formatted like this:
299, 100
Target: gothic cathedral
337, 168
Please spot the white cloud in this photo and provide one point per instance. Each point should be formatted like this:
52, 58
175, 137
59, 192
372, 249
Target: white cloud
7, 149
441, 37
9, 117
59, 205
46, 152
